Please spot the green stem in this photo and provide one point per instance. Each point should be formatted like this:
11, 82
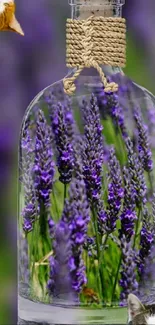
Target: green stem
55, 203
151, 183
34, 246
103, 248
121, 144
104, 182
137, 225
87, 262
116, 279
98, 248
44, 228
65, 192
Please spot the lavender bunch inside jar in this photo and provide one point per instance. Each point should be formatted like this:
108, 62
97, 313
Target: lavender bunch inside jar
88, 212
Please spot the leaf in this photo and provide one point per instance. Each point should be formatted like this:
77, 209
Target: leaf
45, 258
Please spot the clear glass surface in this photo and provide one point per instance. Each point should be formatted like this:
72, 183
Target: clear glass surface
81, 9
86, 206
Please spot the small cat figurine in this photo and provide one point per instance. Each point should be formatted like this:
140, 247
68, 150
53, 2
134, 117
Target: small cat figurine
138, 314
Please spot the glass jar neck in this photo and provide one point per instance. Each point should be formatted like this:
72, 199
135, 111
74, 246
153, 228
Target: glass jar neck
82, 9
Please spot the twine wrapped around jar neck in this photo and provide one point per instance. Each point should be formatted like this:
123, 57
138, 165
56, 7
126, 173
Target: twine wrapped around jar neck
92, 42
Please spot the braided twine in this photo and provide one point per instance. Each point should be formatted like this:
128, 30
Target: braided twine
93, 42
6, 15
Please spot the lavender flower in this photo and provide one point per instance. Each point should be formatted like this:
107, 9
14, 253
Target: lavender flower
54, 96
29, 212
59, 284
110, 107
93, 150
76, 214
145, 153
24, 273
90, 245
44, 164
102, 217
128, 280
128, 216
136, 173
146, 285
93, 154
107, 103
115, 189
146, 240
129, 190
62, 121
51, 226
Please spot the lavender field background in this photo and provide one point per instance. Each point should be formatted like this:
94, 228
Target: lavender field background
29, 64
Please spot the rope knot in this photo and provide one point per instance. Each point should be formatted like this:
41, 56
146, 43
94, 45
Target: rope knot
69, 86
111, 87
93, 42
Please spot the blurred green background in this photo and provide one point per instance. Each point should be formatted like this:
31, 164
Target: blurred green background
29, 64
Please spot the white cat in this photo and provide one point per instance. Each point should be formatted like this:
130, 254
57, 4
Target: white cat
138, 314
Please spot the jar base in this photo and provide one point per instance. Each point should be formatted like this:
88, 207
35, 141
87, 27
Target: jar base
36, 313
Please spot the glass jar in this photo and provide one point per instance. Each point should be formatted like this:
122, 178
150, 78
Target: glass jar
86, 206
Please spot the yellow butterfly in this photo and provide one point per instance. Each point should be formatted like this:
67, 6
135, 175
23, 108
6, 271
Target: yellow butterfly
8, 21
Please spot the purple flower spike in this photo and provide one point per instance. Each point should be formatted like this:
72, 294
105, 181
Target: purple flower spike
109, 106
93, 153
144, 150
146, 240
59, 284
27, 226
24, 272
146, 285
71, 264
127, 218
129, 190
136, 172
93, 150
29, 212
80, 222
115, 189
79, 238
51, 225
76, 214
62, 125
44, 167
128, 280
